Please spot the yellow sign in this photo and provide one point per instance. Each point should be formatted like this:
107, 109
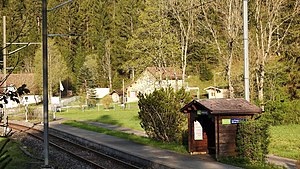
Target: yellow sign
226, 121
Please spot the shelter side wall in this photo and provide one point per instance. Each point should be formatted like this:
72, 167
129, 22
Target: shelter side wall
226, 138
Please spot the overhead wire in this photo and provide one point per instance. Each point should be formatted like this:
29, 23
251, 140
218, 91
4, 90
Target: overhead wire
18, 36
9, 44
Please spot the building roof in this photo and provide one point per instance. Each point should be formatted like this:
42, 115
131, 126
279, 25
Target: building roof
20, 79
119, 92
215, 88
165, 72
223, 106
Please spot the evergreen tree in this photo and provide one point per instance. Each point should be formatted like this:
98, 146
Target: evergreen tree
154, 43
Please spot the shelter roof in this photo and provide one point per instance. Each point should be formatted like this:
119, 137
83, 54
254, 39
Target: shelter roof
223, 106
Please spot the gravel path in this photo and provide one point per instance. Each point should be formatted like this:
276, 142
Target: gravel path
34, 149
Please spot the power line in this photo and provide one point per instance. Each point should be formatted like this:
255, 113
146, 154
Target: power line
18, 36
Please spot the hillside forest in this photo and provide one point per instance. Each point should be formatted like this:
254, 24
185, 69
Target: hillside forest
101, 42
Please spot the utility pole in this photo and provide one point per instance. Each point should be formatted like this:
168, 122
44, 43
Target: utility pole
45, 77
4, 50
45, 83
246, 59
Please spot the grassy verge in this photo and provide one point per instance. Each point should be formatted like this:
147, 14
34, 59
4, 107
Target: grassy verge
117, 116
244, 164
141, 140
17, 156
284, 141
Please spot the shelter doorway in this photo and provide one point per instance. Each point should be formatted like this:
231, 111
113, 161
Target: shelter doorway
208, 125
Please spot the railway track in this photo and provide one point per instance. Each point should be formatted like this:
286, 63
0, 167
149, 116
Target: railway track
92, 158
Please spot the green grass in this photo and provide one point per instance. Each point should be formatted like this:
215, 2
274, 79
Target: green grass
285, 141
18, 157
131, 137
244, 164
125, 118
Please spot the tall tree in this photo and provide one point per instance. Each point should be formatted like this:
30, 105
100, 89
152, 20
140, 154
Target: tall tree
154, 43
224, 24
185, 15
57, 67
271, 24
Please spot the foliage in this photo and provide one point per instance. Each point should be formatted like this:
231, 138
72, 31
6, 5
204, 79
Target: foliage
34, 113
143, 33
160, 115
154, 42
18, 158
57, 68
106, 101
13, 94
91, 99
252, 141
205, 73
5, 159
282, 112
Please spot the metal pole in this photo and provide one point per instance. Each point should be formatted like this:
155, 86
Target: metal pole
4, 66
4, 50
45, 83
246, 59
123, 94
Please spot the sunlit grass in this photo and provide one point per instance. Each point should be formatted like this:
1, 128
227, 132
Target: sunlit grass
122, 117
285, 141
244, 164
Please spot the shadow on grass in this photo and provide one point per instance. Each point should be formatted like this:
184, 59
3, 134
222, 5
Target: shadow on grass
108, 120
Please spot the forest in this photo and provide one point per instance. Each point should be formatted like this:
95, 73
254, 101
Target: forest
101, 42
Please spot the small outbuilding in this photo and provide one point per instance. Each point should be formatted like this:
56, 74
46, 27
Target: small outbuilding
212, 124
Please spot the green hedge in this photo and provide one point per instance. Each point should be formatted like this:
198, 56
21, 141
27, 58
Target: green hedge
252, 141
160, 114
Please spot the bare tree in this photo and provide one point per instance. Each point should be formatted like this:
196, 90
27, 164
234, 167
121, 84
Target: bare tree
272, 20
184, 13
229, 15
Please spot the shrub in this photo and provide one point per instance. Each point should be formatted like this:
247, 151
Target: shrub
35, 113
253, 140
106, 101
160, 114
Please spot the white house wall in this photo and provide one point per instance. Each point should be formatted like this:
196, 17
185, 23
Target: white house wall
147, 83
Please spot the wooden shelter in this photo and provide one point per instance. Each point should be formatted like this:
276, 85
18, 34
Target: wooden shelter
212, 124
